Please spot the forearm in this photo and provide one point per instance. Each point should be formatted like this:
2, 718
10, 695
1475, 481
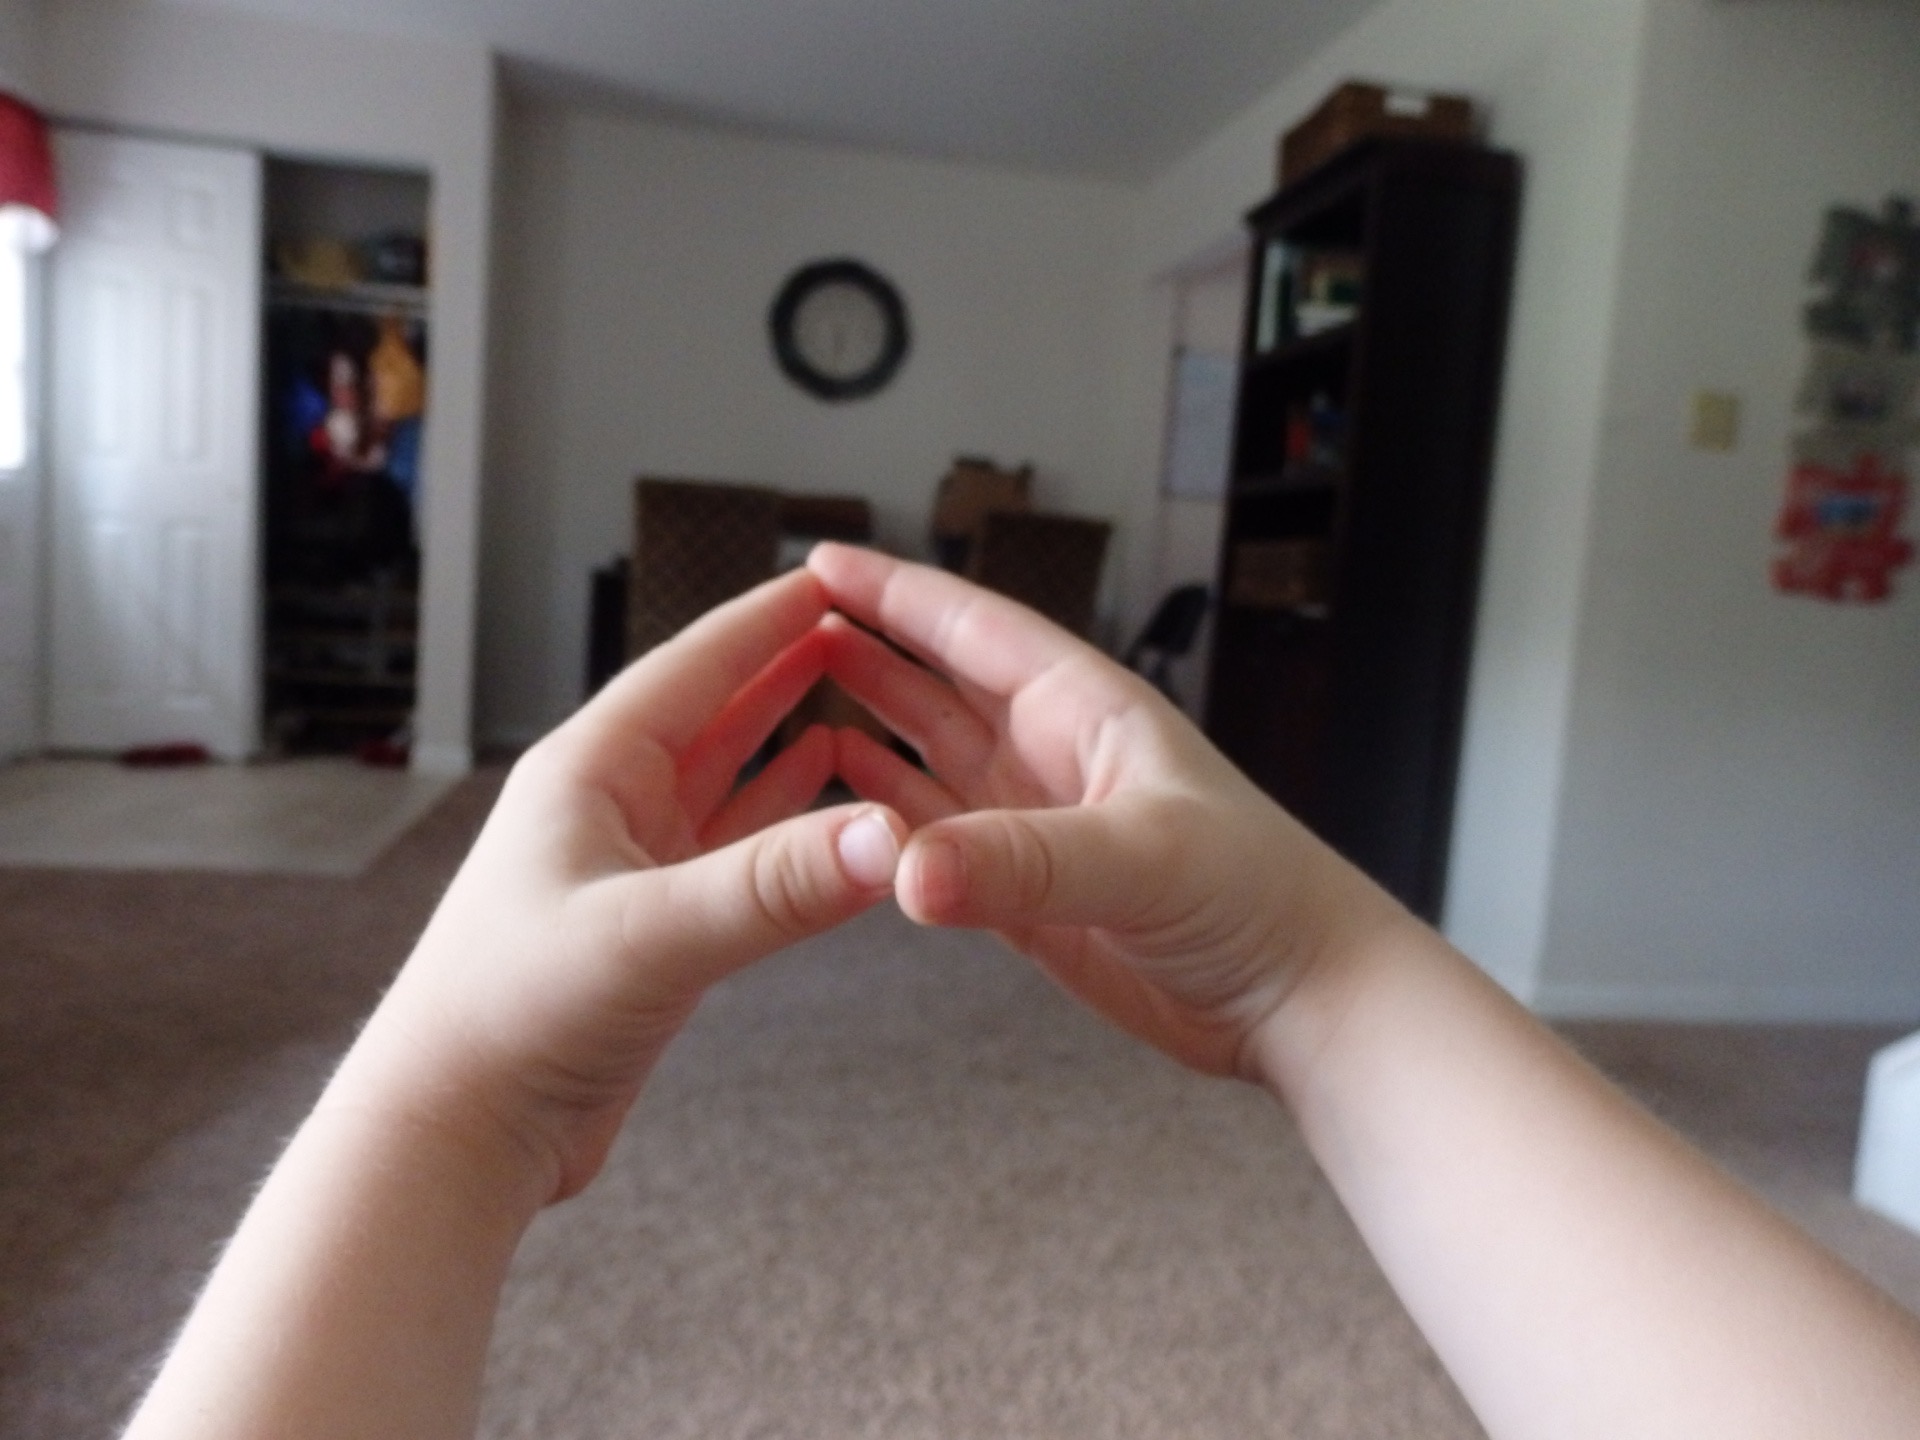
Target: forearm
358, 1295
1579, 1269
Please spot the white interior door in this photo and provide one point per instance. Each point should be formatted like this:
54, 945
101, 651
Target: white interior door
154, 454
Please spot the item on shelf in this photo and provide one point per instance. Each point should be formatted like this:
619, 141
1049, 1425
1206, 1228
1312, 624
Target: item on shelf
397, 383
1273, 313
1306, 291
1316, 437
340, 661
1280, 575
1326, 289
318, 260
344, 439
1313, 319
1358, 111
396, 401
394, 257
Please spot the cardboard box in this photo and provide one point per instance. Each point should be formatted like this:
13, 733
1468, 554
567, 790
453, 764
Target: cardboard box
972, 490
1358, 111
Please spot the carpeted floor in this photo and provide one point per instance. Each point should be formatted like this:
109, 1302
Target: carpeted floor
889, 1184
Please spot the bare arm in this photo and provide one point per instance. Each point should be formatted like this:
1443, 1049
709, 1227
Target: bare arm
1580, 1270
619, 876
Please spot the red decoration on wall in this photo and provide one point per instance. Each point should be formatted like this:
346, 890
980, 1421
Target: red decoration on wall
1842, 531
1847, 489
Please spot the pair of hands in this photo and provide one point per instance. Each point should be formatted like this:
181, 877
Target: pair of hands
1065, 804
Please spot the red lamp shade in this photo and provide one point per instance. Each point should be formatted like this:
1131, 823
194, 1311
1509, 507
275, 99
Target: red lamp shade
26, 167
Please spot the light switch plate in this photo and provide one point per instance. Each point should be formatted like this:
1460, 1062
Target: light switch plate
1716, 420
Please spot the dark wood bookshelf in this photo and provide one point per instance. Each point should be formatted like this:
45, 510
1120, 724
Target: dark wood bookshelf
1350, 552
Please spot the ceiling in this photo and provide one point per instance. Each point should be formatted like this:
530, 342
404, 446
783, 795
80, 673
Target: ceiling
1112, 88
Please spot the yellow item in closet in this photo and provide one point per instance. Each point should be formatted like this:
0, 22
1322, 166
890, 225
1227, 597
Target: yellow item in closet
397, 383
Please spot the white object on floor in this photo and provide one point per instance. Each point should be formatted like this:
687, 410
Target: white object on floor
1886, 1176
300, 817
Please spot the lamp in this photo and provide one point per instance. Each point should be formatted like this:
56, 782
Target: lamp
29, 200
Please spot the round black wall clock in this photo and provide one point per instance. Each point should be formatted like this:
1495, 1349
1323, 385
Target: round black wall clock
839, 329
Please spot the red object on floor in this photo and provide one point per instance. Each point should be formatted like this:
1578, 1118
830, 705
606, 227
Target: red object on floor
386, 754
155, 757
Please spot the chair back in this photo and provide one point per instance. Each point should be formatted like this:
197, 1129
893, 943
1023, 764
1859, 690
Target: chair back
1048, 562
696, 545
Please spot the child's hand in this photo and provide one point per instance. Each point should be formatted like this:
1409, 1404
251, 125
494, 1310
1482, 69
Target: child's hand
620, 875
1070, 807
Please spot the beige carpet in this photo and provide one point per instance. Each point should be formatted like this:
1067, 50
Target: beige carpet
291, 817
889, 1184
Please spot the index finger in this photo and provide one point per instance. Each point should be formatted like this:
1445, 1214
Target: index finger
970, 633
670, 693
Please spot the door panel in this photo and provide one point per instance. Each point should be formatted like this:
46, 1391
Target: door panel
155, 336
106, 662
183, 586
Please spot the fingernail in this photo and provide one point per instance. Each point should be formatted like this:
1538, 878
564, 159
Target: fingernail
869, 853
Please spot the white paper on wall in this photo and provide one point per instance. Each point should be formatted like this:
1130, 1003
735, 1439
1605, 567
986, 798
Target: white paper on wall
1200, 426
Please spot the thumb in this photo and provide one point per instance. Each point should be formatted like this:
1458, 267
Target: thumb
696, 922
1106, 865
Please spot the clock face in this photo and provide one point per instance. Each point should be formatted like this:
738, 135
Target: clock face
839, 329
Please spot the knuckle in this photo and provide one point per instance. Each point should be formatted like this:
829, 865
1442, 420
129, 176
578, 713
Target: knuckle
783, 891
1031, 865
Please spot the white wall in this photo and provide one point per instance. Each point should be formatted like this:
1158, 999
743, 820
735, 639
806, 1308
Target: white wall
1558, 76
1208, 301
1740, 835
20, 30
20, 491
304, 91
638, 261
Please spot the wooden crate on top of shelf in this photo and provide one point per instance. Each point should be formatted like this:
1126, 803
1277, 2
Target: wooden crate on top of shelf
1359, 111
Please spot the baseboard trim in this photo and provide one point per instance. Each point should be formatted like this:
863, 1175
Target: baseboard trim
1888, 1002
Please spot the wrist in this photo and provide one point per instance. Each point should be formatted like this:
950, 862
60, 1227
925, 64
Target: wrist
1373, 938
398, 1095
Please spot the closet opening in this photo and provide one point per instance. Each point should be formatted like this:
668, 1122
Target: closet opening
345, 400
